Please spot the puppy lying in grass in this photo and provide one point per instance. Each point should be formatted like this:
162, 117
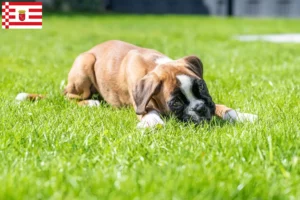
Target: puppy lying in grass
155, 85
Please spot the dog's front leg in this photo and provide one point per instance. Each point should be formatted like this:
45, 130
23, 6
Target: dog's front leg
151, 119
232, 115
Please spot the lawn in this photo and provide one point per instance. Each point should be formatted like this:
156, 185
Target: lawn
53, 149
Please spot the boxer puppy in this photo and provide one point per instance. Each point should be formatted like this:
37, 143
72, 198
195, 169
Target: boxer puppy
155, 85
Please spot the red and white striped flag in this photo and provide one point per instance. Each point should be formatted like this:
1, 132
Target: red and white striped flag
21, 15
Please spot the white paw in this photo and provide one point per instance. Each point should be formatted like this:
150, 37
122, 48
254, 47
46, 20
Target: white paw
93, 103
236, 116
151, 119
22, 96
246, 117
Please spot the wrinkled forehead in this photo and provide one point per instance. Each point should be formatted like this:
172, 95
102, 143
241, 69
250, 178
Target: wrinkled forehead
185, 81
167, 66
189, 86
175, 75
186, 84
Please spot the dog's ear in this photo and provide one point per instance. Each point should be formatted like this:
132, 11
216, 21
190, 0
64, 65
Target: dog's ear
148, 86
195, 65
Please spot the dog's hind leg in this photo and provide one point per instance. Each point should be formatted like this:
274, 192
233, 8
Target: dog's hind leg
81, 84
89, 102
81, 77
27, 96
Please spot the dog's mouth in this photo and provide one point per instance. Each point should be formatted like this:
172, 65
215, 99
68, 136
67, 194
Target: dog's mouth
197, 117
198, 121
191, 116
196, 113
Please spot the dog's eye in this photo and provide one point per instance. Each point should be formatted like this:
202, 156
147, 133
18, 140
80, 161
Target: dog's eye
176, 104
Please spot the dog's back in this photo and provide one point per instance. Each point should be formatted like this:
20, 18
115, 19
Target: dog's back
105, 67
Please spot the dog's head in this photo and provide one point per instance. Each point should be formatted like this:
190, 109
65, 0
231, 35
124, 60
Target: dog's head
175, 87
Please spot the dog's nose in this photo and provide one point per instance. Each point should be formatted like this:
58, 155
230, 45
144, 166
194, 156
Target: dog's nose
198, 107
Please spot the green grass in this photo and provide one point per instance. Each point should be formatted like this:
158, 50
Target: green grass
53, 149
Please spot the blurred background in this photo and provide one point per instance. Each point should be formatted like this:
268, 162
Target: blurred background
253, 8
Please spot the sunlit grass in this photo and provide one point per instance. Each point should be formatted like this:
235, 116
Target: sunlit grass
55, 149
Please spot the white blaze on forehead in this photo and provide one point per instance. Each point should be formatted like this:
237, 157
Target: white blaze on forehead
186, 87
163, 60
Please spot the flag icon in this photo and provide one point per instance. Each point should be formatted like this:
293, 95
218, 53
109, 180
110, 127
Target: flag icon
21, 15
